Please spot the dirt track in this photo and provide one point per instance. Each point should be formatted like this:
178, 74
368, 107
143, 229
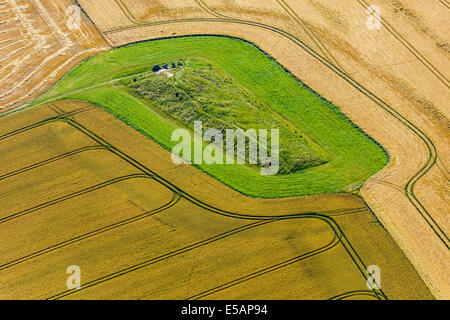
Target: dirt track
401, 69
38, 47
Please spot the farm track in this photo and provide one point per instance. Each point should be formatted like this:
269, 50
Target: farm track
326, 52
178, 194
428, 143
264, 271
72, 195
330, 221
160, 258
200, 244
409, 188
320, 44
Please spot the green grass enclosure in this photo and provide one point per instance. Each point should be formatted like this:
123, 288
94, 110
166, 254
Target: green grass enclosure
353, 156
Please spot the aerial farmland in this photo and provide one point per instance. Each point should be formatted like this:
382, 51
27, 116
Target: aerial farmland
224, 150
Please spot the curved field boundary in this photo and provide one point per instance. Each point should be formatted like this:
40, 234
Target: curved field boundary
76, 239
332, 59
388, 27
350, 294
428, 143
72, 195
334, 242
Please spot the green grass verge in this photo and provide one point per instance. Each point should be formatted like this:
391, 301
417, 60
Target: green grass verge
352, 156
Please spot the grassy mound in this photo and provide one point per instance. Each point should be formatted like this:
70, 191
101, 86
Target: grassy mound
334, 155
200, 92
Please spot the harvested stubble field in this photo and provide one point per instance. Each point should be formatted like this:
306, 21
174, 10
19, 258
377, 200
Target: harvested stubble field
37, 47
141, 227
392, 82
